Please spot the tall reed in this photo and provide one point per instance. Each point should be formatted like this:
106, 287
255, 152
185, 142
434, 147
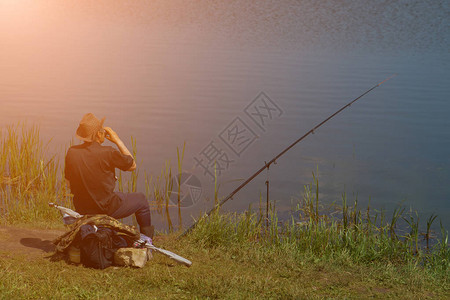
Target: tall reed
29, 177
180, 159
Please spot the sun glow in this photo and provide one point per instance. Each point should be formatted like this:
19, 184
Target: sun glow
14, 8
16, 16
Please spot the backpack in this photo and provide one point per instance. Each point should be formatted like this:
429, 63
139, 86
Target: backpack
98, 245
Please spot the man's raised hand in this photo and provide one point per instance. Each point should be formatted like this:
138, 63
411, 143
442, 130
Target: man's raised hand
111, 135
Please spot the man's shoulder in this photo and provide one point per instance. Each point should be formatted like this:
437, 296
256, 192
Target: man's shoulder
103, 151
94, 148
76, 148
91, 146
104, 148
80, 146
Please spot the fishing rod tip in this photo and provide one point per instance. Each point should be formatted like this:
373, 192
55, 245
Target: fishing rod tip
393, 75
390, 77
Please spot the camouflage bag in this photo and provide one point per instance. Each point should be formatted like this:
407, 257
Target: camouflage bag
128, 232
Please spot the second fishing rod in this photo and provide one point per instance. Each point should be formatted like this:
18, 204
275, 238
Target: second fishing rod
273, 160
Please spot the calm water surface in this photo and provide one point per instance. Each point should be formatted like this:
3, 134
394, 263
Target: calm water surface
169, 72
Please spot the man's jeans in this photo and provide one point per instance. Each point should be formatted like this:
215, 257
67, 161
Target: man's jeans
134, 203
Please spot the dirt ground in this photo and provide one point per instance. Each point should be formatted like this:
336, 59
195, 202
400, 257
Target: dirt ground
33, 242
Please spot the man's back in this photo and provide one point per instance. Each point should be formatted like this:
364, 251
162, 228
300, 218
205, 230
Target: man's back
90, 169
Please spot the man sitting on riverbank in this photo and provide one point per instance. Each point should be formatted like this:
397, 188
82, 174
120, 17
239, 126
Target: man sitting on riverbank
90, 174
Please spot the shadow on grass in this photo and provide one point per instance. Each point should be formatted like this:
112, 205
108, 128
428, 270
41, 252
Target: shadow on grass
45, 245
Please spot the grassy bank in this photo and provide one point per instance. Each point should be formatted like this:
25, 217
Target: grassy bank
229, 269
358, 253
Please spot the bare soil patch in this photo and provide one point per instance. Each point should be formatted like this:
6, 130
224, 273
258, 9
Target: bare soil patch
33, 242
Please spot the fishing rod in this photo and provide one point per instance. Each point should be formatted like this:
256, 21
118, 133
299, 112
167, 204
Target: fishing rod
267, 165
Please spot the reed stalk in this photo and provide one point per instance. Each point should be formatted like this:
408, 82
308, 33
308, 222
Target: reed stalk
180, 170
413, 236
427, 235
168, 186
132, 184
398, 212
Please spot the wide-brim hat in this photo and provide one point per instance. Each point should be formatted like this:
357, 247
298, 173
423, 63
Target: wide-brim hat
88, 128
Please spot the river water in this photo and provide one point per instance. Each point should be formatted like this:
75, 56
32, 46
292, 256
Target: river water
238, 81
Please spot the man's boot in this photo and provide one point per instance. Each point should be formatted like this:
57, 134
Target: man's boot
148, 231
